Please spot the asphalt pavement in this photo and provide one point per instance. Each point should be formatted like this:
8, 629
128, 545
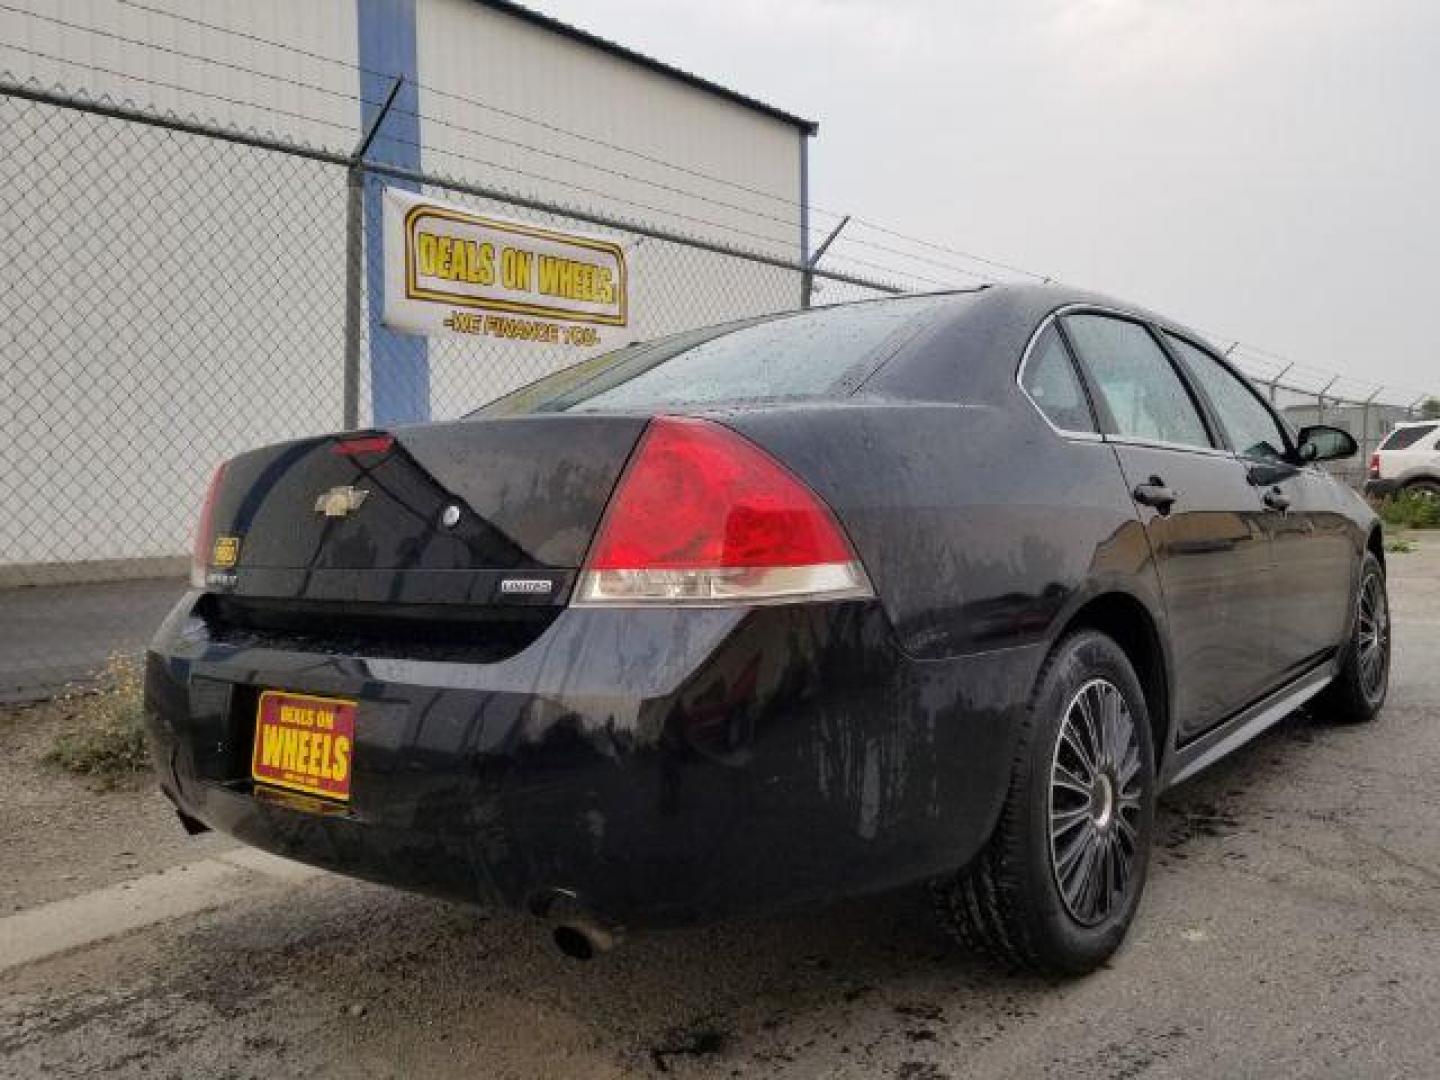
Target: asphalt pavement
1291, 929
52, 636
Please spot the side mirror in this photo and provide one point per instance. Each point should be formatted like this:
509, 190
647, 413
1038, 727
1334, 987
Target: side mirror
1324, 443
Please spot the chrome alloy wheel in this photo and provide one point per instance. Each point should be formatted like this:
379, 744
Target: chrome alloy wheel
1095, 798
1373, 636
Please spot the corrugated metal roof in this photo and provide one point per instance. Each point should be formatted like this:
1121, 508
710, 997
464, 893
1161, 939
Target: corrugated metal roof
520, 11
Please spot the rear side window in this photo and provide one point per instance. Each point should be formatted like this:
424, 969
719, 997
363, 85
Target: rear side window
809, 355
1050, 380
1254, 432
1404, 437
1136, 382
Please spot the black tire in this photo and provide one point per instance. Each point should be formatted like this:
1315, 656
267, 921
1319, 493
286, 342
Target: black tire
1009, 903
1430, 488
1358, 692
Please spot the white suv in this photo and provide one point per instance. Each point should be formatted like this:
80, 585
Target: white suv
1408, 460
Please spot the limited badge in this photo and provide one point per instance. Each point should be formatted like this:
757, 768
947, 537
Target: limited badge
226, 553
527, 586
220, 579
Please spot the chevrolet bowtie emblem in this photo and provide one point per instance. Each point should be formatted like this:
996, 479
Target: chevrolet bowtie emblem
340, 501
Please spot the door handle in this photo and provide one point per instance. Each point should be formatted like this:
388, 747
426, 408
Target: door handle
1276, 499
1154, 493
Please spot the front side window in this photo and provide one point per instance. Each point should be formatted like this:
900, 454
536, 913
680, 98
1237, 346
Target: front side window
1254, 432
1050, 380
1136, 382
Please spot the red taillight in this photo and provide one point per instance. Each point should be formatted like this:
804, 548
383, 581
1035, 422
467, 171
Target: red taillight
702, 515
205, 531
1374, 466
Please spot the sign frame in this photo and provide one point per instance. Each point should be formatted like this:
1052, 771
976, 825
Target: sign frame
410, 211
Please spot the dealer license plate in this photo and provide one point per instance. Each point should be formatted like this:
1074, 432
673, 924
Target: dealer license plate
304, 743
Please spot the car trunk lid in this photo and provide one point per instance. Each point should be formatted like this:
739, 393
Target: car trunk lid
494, 512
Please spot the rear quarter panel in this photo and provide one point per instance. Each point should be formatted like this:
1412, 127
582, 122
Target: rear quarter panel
981, 528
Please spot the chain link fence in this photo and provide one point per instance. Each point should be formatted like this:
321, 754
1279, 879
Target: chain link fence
1367, 416
173, 292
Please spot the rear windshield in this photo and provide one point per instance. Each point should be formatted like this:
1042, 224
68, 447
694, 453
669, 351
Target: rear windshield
801, 356
1400, 438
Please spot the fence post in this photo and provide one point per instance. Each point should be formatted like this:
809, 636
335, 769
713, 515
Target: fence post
355, 262
1365, 428
1274, 382
808, 277
354, 267
1320, 400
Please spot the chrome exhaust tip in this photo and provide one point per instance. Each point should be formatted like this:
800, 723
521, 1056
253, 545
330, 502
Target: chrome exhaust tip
577, 932
584, 939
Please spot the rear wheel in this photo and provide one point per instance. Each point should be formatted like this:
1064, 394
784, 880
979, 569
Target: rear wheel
1428, 489
1058, 883
1363, 680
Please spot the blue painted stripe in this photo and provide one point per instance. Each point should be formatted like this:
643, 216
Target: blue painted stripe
399, 363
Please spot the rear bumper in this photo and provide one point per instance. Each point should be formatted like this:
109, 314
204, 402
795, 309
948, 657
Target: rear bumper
664, 766
1379, 489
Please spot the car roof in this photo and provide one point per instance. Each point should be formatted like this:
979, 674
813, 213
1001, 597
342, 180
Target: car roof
985, 336
1042, 299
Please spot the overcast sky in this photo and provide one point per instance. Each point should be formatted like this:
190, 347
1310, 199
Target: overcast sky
1263, 169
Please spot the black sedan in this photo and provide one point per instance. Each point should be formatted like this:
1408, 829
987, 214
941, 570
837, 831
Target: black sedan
941, 588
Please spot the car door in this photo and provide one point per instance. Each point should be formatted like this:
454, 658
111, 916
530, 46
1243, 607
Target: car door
1202, 516
1315, 557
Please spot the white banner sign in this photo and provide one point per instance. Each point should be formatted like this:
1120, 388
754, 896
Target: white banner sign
448, 269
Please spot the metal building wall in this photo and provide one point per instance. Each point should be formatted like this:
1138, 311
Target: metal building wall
514, 104
143, 54
151, 256
151, 247
515, 67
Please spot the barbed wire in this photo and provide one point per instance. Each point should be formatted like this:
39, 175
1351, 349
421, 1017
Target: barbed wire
399, 110
865, 222
431, 148
893, 273
439, 92
1261, 364
424, 147
491, 163
176, 87
170, 50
